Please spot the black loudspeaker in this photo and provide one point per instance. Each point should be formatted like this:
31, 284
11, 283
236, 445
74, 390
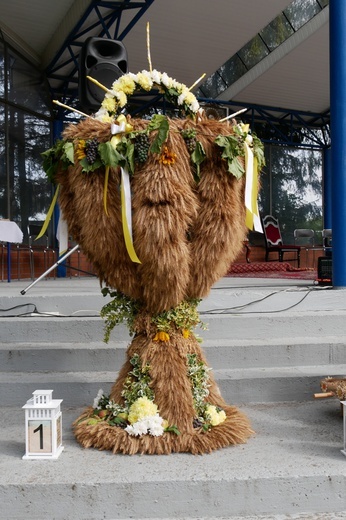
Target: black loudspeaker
324, 270
104, 60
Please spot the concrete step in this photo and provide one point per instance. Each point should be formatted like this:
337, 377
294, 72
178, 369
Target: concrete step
291, 469
251, 385
259, 326
63, 354
224, 353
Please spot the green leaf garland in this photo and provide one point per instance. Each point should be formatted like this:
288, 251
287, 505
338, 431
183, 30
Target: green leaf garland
231, 151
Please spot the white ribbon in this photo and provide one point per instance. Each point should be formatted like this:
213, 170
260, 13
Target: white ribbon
126, 214
125, 180
118, 129
62, 235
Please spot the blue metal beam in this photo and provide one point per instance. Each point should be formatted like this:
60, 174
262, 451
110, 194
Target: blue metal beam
282, 126
337, 31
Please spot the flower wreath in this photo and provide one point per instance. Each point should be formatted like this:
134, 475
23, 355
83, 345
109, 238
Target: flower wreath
116, 97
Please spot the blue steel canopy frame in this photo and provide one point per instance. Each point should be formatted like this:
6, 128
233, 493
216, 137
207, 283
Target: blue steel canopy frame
102, 19
282, 126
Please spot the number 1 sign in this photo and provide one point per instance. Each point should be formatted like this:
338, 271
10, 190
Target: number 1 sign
43, 427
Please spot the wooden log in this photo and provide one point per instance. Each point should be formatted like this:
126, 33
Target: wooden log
324, 395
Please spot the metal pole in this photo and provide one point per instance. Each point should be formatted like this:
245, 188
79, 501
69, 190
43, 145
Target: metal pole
337, 31
60, 261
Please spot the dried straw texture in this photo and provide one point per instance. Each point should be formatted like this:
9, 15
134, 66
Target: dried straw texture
219, 229
100, 236
335, 385
186, 234
164, 207
173, 395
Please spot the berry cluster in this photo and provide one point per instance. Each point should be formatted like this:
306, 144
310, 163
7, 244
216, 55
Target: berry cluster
197, 423
142, 145
91, 150
189, 137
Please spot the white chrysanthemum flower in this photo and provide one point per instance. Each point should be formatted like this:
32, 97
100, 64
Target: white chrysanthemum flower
156, 76
182, 97
156, 430
155, 425
121, 98
194, 106
133, 76
152, 424
97, 399
137, 428
130, 430
166, 80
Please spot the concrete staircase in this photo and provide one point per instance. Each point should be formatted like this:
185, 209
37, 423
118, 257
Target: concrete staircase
268, 363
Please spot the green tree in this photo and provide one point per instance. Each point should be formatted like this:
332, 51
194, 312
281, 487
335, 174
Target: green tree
292, 188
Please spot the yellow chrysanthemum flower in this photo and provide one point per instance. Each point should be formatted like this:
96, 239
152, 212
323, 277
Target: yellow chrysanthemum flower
161, 336
106, 118
126, 84
140, 409
167, 157
215, 417
109, 104
80, 151
186, 333
144, 81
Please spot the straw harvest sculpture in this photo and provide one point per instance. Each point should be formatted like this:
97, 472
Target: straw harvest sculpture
183, 180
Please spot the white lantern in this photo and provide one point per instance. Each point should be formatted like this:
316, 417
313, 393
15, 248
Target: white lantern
43, 426
344, 416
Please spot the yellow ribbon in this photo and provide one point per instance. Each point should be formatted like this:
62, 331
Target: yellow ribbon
49, 214
122, 127
126, 215
252, 219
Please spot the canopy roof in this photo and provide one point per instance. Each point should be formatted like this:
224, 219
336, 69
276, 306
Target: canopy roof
187, 39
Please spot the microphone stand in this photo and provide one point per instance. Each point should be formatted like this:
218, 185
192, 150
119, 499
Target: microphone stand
60, 261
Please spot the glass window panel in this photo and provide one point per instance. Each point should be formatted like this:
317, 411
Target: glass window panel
2, 71
276, 32
26, 85
301, 11
3, 176
292, 188
213, 86
232, 70
30, 190
253, 52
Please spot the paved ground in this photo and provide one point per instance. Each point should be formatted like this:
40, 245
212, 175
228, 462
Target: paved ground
296, 447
